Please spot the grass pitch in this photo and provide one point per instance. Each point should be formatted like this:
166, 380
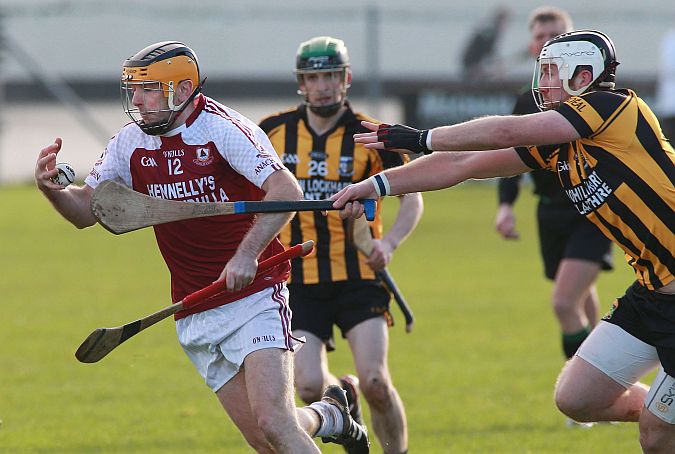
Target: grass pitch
476, 375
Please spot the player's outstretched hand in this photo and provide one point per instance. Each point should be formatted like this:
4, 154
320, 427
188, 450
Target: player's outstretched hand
399, 138
347, 199
369, 139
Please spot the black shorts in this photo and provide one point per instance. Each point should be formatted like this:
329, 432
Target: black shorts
317, 307
650, 317
565, 234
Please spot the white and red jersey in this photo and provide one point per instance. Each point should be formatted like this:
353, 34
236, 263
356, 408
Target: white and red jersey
218, 155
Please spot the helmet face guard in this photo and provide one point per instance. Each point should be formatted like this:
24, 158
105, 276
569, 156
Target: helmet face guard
323, 54
567, 52
155, 73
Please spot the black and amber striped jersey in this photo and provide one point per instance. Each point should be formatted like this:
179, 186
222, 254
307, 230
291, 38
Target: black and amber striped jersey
620, 175
545, 184
323, 165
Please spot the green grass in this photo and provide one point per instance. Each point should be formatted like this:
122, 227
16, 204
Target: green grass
476, 375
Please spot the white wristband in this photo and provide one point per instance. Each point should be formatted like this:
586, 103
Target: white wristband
429, 140
381, 184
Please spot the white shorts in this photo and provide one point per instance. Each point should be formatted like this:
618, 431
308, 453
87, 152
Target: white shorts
218, 340
621, 356
625, 359
661, 398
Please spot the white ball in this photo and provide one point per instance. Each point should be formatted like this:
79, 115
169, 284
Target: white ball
65, 176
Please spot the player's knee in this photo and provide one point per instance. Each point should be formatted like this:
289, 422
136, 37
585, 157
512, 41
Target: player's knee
378, 391
259, 443
273, 431
652, 441
563, 307
656, 436
648, 442
309, 389
570, 404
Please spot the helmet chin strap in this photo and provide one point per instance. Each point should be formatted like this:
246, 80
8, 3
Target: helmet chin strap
326, 111
566, 87
330, 109
564, 73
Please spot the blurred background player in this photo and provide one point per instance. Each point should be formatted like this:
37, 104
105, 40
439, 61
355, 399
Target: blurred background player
179, 139
337, 285
479, 55
572, 248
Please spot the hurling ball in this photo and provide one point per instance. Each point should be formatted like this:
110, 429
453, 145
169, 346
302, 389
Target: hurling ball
65, 176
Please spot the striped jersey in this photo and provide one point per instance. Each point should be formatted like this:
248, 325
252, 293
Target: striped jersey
218, 155
621, 175
545, 184
323, 165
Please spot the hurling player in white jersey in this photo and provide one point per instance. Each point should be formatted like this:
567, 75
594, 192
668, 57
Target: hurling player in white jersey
183, 145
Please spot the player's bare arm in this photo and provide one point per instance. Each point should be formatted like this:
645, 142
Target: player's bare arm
409, 213
491, 137
241, 269
433, 172
487, 133
71, 202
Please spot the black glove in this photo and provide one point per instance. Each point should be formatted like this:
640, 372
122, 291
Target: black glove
402, 136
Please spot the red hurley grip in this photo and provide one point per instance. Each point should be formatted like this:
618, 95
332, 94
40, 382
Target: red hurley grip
197, 297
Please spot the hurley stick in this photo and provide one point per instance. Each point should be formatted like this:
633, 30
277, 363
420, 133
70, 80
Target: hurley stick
104, 340
121, 209
360, 236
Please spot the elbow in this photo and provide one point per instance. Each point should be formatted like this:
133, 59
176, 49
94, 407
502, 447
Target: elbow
420, 205
83, 221
414, 202
292, 189
82, 224
290, 192
419, 211
284, 186
296, 193
413, 205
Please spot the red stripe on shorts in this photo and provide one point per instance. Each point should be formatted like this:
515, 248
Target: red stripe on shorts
283, 313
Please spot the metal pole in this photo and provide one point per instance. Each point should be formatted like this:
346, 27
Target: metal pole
59, 89
2, 77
